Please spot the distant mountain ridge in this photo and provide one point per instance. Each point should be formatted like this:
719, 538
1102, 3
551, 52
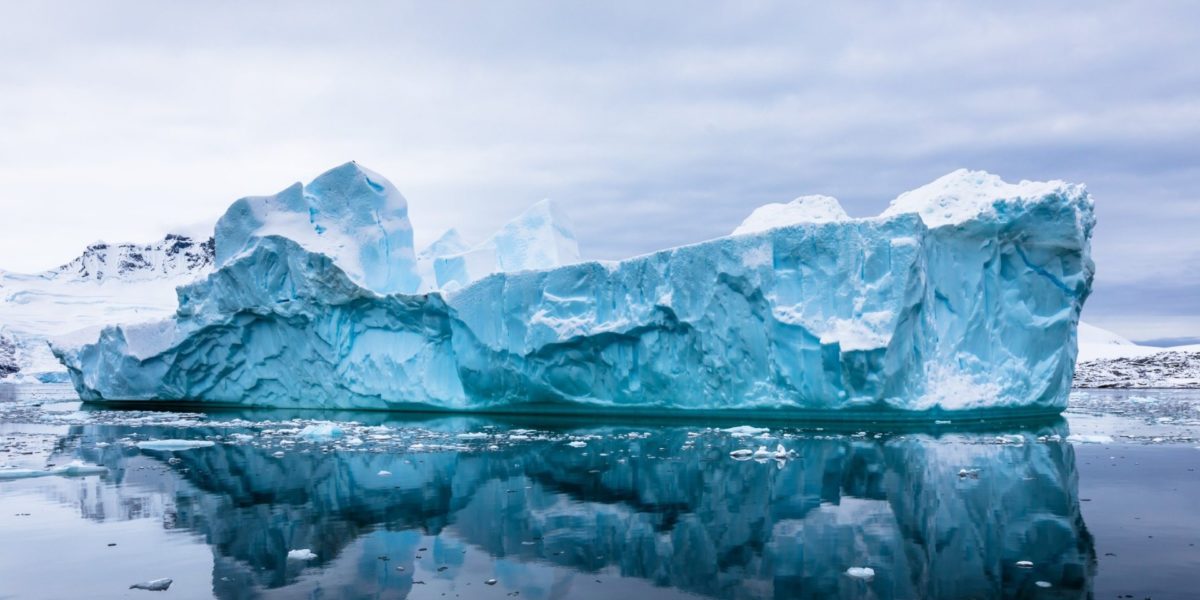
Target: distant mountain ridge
173, 256
106, 283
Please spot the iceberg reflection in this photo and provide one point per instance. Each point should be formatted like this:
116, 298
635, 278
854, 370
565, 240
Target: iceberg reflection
634, 510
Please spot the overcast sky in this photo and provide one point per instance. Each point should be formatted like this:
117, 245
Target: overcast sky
654, 124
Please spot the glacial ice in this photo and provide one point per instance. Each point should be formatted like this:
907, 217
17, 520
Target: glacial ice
542, 237
963, 296
350, 214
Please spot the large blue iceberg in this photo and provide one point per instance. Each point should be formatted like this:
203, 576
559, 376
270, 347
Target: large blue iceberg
962, 297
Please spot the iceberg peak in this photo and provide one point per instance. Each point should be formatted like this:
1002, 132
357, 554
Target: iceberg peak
542, 237
349, 213
805, 209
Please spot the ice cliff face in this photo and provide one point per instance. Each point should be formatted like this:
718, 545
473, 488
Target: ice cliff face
963, 296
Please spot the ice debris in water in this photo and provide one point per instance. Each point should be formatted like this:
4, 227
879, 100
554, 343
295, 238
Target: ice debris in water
171, 445
154, 585
964, 295
301, 554
1082, 438
745, 431
321, 432
861, 572
74, 469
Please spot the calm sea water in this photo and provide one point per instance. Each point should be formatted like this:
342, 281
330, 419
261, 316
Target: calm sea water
313, 505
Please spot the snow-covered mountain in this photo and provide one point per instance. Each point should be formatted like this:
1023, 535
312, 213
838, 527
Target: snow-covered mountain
1107, 360
106, 283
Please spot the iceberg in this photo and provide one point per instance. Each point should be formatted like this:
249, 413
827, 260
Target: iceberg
962, 297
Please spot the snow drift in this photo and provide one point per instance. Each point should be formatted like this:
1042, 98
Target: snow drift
963, 296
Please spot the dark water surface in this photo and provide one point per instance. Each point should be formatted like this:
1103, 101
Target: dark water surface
1102, 504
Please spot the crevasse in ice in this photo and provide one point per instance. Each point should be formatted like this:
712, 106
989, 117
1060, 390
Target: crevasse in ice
964, 295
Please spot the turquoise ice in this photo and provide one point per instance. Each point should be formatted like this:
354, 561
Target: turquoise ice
962, 297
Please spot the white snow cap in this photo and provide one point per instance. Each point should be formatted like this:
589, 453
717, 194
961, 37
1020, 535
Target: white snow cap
964, 195
805, 209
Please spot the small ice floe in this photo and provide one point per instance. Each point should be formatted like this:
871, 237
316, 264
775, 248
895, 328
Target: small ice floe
154, 585
1025, 564
74, 469
321, 432
965, 473
742, 454
279, 454
491, 582
1084, 438
782, 453
745, 431
762, 453
1011, 439
861, 572
577, 444
174, 445
301, 554
1042, 584
384, 473
354, 441
479, 435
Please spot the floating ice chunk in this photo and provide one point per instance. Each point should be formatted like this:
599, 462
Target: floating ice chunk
1083, 438
577, 444
1042, 584
1025, 564
74, 469
174, 445
384, 473
745, 431
762, 453
861, 572
477, 435
301, 554
321, 432
743, 454
154, 585
805, 209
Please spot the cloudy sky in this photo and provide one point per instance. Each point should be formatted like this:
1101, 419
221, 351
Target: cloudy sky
653, 125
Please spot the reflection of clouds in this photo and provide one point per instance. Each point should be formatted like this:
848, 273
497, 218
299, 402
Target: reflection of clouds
542, 518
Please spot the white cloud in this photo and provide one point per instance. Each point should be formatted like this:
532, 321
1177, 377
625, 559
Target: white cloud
653, 124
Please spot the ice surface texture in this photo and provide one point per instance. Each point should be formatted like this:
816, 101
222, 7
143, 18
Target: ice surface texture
963, 296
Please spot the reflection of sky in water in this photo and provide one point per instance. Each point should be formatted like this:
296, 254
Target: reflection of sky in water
638, 510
